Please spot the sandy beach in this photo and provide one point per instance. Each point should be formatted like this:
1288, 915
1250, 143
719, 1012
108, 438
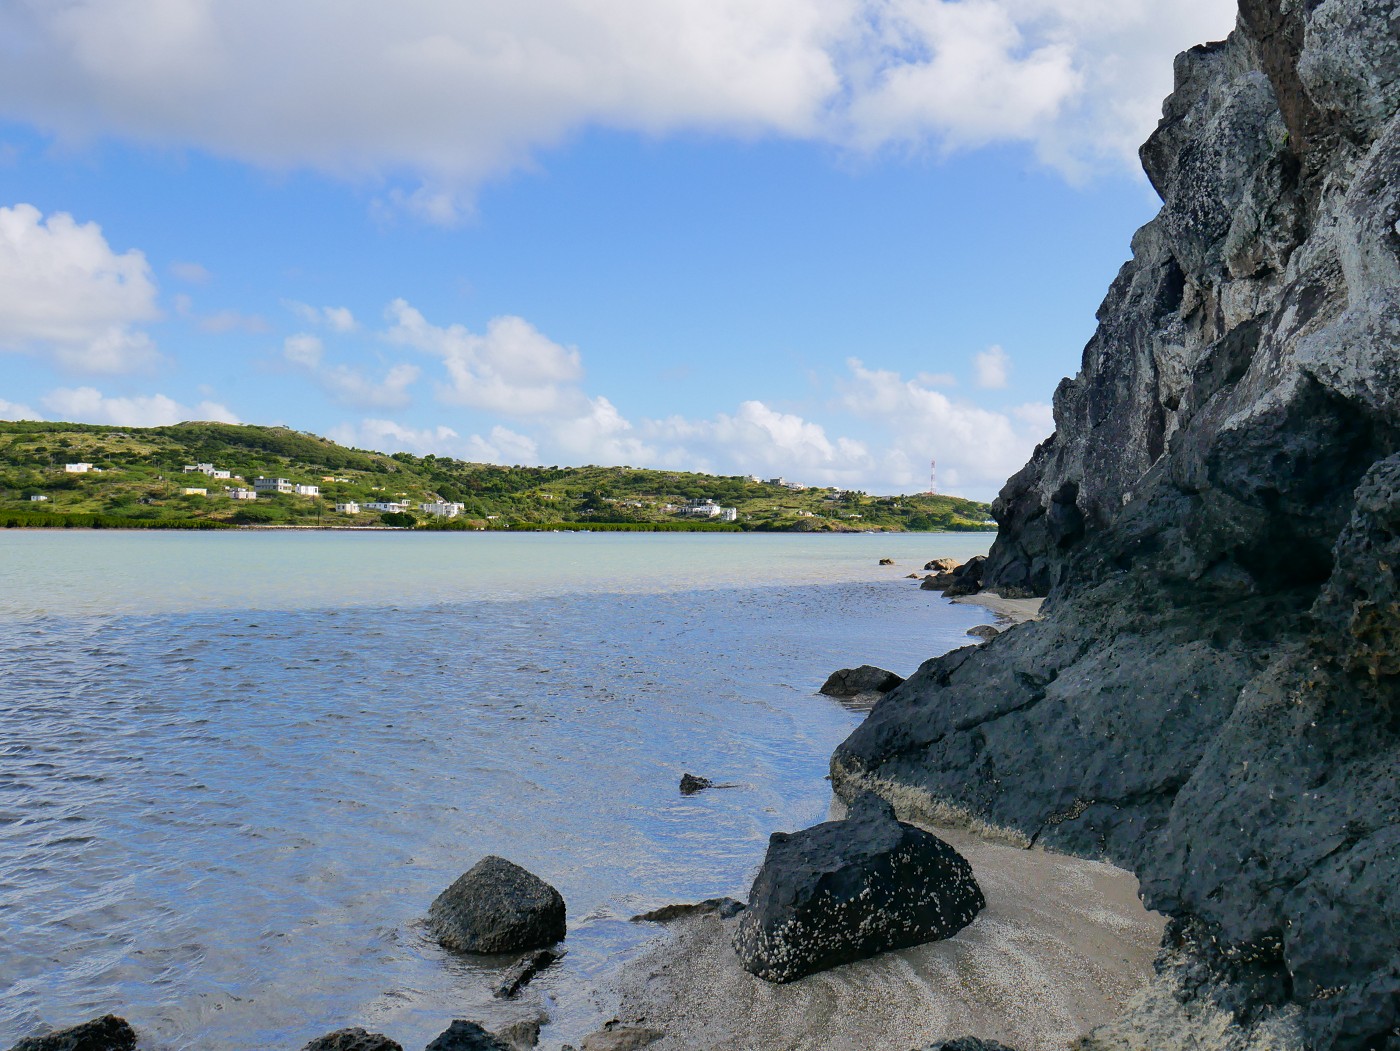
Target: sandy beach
1013, 610
1061, 947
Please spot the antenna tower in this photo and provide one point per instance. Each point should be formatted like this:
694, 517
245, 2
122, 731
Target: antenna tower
933, 478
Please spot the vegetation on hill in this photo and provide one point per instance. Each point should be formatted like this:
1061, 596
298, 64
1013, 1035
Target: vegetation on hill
139, 480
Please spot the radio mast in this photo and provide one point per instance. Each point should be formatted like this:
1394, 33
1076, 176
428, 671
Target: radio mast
933, 478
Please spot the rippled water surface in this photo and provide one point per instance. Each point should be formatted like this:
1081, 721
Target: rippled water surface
235, 769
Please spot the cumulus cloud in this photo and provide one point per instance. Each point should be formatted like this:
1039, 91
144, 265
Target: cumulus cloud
758, 438
512, 369
65, 293
976, 448
10, 410
337, 319
346, 384
191, 273
993, 368
389, 436
89, 405
456, 93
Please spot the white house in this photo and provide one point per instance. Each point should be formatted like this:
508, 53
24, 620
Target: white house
219, 475
728, 514
272, 485
348, 508
243, 494
443, 509
38, 497
196, 492
387, 505
776, 481
77, 468
307, 490
701, 509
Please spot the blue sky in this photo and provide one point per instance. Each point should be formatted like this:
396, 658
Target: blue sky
829, 239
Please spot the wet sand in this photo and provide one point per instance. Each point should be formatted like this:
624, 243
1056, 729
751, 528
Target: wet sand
1015, 610
1061, 947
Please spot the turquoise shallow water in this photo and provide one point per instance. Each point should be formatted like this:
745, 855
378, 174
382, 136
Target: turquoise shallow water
234, 770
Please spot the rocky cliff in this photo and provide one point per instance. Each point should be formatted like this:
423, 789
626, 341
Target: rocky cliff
1213, 699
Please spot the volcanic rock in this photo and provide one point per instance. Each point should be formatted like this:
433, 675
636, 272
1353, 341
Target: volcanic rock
984, 631
850, 682
967, 578
355, 1039
690, 784
847, 890
942, 565
721, 907
497, 907
521, 973
1211, 698
467, 1036
108, 1033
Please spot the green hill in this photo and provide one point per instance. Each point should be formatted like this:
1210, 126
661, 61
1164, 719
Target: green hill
139, 479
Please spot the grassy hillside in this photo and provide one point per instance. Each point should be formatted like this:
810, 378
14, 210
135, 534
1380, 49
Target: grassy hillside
140, 482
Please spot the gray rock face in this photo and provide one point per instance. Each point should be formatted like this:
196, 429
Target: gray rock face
1212, 697
968, 1043
108, 1033
353, 1040
496, 907
847, 890
522, 972
851, 682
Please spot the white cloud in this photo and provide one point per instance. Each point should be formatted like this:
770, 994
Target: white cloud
388, 436
993, 368
458, 92
513, 369
501, 446
760, 438
337, 319
346, 384
64, 292
976, 448
10, 410
191, 273
89, 405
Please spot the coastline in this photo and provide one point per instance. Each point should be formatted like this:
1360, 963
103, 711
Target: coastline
1063, 946
1009, 610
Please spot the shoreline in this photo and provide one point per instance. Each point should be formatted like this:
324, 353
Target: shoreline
1010, 610
1063, 946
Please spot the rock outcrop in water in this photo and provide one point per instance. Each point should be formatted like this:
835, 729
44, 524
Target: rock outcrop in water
497, 906
846, 890
1211, 699
355, 1039
108, 1033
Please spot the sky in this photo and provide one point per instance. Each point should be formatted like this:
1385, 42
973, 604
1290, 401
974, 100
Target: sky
832, 240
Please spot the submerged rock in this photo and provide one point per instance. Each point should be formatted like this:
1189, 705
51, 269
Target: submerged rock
886, 561
355, 1039
691, 783
850, 682
523, 971
497, 907
846, 890
467, 1036
941, 565
721, 907
522, 1035
108, 1033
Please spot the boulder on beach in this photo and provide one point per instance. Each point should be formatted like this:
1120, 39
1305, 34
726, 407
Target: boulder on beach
846, 890
967, 578
691, 783
942, 565
355, 1039
522, 971
467, 1036
850, 682
108, 1033
497, 907
984, 631
522, 1035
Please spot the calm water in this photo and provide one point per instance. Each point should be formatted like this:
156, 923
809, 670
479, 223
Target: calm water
235, 769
